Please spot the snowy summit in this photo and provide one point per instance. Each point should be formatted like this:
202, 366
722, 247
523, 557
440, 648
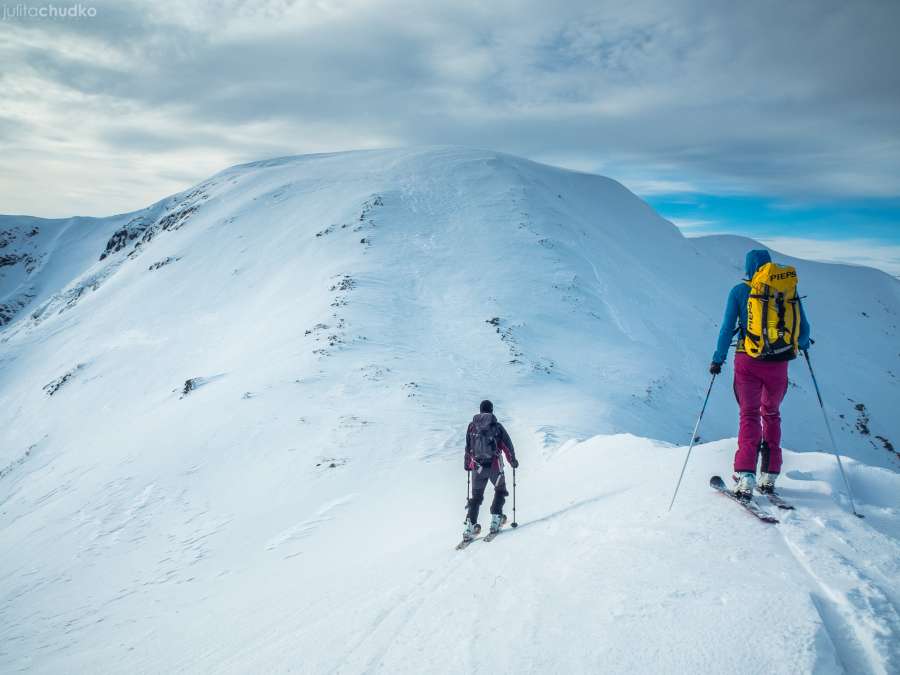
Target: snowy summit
232, 429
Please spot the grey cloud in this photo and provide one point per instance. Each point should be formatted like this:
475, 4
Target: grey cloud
11, 129
789, 98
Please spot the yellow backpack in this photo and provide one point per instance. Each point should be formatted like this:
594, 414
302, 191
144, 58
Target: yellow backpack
773, 314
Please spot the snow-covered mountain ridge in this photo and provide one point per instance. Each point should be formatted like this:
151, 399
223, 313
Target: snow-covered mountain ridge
527, 274
248, 401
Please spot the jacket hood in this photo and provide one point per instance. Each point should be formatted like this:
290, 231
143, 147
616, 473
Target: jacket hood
756, 259
483, 420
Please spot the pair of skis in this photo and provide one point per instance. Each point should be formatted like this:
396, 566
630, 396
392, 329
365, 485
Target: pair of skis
489, 537
752, 507
465, 542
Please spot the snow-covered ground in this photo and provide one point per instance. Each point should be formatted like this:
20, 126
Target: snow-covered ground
233, 444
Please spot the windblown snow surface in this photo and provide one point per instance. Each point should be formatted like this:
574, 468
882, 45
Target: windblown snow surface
231, 431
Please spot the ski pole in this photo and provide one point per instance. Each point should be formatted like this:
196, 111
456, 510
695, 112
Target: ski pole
514, 523
831, 436
693, 438
468, 490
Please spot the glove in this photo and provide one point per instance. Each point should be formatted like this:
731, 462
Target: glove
467, 465
514, 462
715, 368
804, 346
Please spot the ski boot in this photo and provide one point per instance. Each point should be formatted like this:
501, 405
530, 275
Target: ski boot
498, 520
767, 483
746, 481
471, 530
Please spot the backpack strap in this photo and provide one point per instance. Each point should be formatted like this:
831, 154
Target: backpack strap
779, 303
741, 329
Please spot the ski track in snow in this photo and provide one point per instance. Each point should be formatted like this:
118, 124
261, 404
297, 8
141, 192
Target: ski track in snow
860, 613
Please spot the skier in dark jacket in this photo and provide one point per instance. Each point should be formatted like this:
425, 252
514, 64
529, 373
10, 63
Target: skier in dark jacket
759, 387
486, 444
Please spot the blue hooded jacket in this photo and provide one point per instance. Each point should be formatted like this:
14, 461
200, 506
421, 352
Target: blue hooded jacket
736, 309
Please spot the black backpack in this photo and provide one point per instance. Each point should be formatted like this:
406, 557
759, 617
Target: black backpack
484, 444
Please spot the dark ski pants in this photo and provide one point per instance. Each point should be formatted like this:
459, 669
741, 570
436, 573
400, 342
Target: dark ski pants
759, 387
480, 477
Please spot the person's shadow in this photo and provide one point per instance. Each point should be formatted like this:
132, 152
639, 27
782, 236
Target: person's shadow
571, 507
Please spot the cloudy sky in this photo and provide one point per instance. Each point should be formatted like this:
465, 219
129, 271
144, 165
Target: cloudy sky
780, 120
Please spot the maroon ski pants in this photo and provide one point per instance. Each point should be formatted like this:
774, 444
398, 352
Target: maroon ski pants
759, 387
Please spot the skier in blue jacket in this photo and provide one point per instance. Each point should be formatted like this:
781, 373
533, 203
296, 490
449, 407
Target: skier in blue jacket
759, 387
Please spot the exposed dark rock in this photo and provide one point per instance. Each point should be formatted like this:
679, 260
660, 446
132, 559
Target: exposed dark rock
331, 462
176, 220
139, 228
862, 419
52, 387
327, 230
189, 386
162, 263
195, 383
146, 239
346, 283
121, 237
506, 336
8, 310
364, 221
887, 445
369, 206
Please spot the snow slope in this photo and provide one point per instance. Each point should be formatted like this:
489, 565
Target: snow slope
233, 443
39, 257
